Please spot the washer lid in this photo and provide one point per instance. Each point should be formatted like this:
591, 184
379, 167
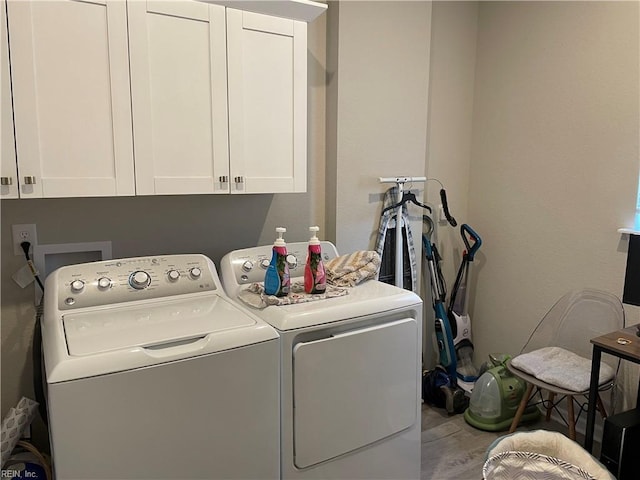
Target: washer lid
151, 325
120, 338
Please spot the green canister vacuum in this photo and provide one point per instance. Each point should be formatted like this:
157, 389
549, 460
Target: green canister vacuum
496, 396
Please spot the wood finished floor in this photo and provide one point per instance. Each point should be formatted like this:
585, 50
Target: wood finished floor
454, 450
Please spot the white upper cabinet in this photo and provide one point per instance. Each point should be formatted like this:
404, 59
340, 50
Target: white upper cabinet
152, 97
267, 62
8, 170
179, 97
200, 128
70, 78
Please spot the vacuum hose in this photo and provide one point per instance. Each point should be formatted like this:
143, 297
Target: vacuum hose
445, 208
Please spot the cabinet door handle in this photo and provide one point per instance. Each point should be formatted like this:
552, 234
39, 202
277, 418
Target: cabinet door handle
239, 179
223, 179
29, 180
6, 181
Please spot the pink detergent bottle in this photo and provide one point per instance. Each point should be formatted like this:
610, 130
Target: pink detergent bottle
315, 280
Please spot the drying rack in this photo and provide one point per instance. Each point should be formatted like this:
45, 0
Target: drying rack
400, 182
444, 212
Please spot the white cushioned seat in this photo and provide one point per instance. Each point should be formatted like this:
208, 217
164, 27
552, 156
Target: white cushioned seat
561, 367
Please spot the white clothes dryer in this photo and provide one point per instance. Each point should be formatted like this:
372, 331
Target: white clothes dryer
153, 373
351, 373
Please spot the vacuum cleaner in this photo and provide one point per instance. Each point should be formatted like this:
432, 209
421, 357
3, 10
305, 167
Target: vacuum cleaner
455, 373
440, 385
458, 313
495, 398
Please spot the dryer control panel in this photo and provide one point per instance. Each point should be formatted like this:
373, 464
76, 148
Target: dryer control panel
248, 265
140, 278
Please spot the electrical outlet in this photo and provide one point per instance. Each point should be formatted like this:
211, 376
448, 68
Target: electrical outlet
24, 233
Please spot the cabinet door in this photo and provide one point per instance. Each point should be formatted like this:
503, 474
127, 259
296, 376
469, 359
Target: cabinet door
8, 171
267, 61
70, 78
179, 95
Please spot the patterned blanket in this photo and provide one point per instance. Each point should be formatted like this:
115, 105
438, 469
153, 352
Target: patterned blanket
254, 295
352, 269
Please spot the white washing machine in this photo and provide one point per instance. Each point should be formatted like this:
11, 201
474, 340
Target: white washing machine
350, 373
153, 373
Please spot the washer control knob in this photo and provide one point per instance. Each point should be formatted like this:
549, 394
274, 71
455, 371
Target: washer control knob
77, 286
195, 272
104, 283
264, 263
139, 280
292, 261
173, 275
247, 266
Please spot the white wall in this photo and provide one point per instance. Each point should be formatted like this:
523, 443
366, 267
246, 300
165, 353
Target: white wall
451, 87
453, 63
555, 158
378, 100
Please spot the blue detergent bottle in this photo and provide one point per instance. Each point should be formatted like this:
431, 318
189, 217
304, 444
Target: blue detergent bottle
277, 280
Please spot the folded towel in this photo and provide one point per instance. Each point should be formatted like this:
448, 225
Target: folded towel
254, 295
561, 367
352, 269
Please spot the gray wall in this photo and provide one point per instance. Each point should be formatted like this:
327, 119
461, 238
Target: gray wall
555, 158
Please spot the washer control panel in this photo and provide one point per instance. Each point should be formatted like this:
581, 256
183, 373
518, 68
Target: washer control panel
248, 265
116, 281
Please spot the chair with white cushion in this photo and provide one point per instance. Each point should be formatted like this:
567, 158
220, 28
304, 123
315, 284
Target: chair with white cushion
557, 356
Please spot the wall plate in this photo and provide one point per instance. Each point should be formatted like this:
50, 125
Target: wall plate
48, 258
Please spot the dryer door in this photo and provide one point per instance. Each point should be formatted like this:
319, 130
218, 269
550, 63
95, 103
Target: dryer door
353, 389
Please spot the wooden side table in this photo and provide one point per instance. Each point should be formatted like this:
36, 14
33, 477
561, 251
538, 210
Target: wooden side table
624, 344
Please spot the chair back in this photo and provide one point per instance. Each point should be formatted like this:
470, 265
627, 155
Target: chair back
575, 319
